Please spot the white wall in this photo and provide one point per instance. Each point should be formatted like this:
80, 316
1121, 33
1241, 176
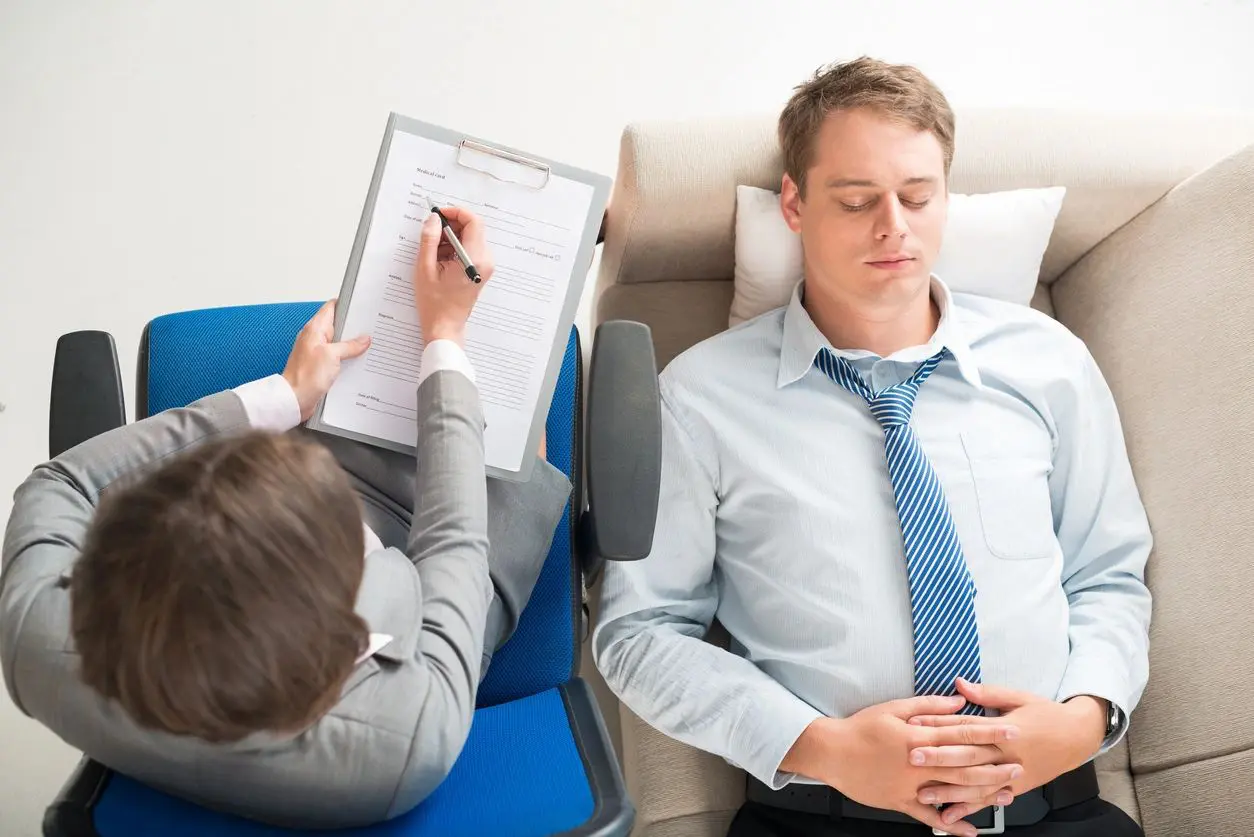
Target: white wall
157, 156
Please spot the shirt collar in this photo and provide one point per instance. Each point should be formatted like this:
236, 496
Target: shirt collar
384, 607
802, 340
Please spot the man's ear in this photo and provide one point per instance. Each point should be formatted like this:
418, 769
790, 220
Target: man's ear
790, 203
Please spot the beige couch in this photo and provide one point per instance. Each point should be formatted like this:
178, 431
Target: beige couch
1152, 263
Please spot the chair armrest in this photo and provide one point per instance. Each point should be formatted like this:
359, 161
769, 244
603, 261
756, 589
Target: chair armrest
70, 814
454, 806
87, 397
614, 814
623, 442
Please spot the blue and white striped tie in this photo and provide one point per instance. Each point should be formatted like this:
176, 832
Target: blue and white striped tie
942, 595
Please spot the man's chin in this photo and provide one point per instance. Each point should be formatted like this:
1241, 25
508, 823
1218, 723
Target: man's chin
906, 281
876, 285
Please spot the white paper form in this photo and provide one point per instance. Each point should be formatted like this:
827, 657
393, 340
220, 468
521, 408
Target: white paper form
534, 236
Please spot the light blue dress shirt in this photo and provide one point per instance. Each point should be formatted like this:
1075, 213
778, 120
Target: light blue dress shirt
777, 517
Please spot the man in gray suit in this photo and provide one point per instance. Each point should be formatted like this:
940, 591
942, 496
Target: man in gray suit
250, 618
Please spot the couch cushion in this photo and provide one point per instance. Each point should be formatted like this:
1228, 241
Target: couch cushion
1203, 798
671, 781
1115, 779
678, 313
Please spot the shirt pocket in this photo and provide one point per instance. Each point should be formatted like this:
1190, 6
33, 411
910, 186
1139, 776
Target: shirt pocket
1011, 478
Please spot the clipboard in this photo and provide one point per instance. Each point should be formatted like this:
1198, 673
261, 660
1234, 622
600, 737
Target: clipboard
514, 168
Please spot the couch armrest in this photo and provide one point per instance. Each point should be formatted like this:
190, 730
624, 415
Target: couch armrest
1166, 306
86, 398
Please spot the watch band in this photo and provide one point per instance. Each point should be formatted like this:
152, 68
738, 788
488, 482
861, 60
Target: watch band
1114, 719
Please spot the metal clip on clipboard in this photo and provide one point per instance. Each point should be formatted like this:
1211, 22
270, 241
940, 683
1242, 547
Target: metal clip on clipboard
494, 162
505, 166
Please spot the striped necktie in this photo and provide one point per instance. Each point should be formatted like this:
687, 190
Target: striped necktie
942, 595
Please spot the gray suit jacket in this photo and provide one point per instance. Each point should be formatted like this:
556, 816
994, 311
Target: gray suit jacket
469, 560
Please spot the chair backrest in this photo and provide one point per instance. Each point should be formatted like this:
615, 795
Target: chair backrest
188, 355
668, 262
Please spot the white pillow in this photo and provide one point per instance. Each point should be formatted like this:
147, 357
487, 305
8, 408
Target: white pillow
993, 246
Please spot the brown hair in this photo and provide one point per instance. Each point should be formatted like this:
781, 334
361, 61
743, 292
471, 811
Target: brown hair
896, 91
214, 596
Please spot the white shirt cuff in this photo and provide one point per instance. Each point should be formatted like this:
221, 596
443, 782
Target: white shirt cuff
1095, 678
270, 403
764, 738
439, 355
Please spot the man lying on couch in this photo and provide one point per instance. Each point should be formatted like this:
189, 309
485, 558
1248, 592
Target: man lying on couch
888, 642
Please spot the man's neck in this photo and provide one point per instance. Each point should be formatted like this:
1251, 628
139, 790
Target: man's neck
882, 328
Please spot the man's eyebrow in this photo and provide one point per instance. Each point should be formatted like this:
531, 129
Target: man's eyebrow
843, 182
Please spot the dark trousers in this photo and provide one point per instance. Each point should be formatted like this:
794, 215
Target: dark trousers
1095, 818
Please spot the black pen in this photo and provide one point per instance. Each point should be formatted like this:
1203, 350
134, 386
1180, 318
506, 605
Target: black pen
472, 272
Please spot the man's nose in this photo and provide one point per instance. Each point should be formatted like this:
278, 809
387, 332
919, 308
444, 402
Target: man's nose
891, 220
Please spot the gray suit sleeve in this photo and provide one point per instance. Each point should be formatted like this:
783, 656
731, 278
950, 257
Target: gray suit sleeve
53, 507
463, 577
448, 543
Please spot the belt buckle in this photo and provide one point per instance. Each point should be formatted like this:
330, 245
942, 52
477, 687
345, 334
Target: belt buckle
998, 826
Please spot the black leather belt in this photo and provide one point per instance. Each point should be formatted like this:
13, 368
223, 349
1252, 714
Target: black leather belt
1079, 785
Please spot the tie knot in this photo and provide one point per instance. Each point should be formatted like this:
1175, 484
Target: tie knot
892, 406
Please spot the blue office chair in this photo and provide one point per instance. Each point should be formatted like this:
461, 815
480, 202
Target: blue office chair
538, 760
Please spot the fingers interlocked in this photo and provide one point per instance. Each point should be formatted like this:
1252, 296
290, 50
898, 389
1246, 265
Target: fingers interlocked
964, 765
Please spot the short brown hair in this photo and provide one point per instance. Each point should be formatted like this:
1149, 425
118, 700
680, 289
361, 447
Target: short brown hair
214, 595
896, 91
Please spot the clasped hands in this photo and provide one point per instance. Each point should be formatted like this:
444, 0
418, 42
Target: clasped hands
916, 754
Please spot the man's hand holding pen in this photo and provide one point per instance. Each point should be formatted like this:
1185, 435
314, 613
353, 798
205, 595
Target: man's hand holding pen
443, 292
